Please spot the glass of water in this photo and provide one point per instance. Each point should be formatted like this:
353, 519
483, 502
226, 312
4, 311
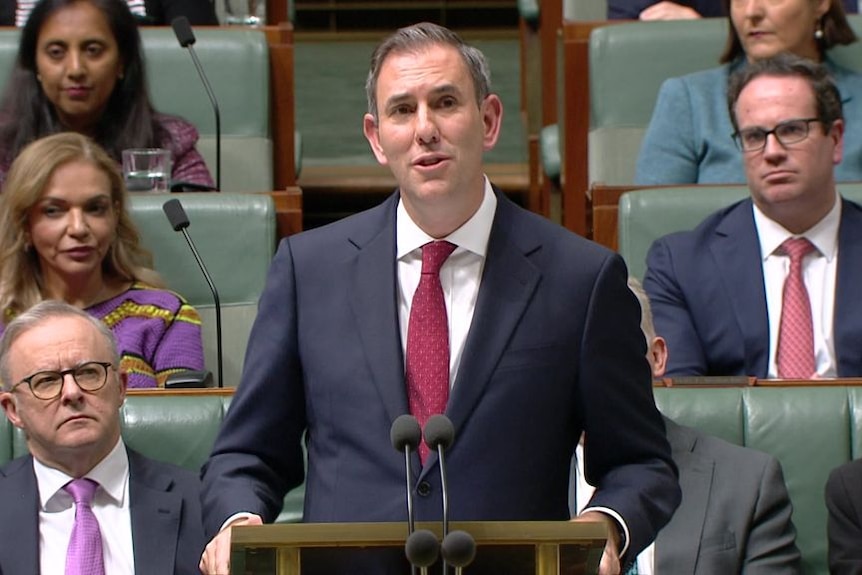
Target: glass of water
147, 169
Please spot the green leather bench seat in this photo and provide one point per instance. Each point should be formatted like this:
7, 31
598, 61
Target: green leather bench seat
810, 430
648, 214
235, 236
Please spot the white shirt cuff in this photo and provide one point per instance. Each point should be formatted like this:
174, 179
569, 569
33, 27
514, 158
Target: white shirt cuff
619, 519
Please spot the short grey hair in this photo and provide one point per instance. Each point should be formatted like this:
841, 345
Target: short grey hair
38, 314
419, 36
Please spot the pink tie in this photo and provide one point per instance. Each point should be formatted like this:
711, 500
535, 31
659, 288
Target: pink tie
84, 556
796, 334
428, 341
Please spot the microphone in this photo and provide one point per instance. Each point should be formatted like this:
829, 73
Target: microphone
421, 549
439, 435
405, 435
458, 550
180, 221
186, 38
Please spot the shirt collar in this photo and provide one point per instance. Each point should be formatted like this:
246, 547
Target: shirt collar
111, 474
472, 235
824, 234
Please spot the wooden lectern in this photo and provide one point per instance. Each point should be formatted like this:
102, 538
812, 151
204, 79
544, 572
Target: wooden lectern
551, 547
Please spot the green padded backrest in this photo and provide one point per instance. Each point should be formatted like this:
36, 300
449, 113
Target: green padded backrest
628, 63
236, 61
179, 429
810, 430
584, 9
8, 52
646, 215
235, 236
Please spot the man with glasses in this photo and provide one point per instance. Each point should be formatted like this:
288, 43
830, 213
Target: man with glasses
82, 502
767, 286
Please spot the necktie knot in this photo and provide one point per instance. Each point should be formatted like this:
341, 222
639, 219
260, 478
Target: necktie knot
797, 248
434, 254
82, 490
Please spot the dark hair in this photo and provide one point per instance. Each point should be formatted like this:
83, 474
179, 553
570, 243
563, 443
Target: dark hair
826, 94
422, 35
128, 120
836, 31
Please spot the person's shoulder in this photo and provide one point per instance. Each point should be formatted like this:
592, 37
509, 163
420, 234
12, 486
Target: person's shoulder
15, 466
356, 229
707, 227
700, 82
146, 469
180, 134
739, 457
849, 472
144, 293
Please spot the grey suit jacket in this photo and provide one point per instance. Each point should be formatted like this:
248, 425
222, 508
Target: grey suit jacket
735, 515
164, 502
554, 347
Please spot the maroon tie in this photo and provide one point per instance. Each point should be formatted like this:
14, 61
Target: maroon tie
428, 341
796, 334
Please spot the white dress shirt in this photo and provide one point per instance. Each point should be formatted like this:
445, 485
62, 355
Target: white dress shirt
460, 274
819, 271
110, 506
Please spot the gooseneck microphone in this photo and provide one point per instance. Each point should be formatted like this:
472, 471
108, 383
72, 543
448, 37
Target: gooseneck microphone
405, 436
186, 38
422, 549
439, 435
180, 221
458, 550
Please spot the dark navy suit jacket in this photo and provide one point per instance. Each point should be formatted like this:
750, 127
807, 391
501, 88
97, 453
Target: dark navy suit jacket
709, 302
164, 502
554, 348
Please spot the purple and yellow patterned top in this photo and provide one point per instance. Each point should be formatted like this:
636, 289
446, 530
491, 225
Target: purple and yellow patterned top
158, 333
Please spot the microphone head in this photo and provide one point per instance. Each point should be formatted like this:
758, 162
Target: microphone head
422, 548
405, 432
183, 31
176, 214
458, 549
439, 431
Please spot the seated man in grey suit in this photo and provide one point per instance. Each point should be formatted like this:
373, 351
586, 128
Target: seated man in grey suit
844, 526
81, 499
767, 287
735, 510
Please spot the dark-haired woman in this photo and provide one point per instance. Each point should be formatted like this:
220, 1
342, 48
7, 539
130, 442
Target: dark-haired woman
80, 68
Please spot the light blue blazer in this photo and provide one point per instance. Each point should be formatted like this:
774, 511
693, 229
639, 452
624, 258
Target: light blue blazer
689, 138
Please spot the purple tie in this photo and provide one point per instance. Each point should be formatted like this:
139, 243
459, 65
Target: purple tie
428, 341
84, 556
796, 335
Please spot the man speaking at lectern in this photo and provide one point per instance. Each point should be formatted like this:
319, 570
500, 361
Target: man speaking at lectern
445, 298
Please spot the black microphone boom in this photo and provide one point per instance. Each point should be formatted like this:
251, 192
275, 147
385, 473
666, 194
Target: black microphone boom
439, 435
405, 435
180, 221
186, 38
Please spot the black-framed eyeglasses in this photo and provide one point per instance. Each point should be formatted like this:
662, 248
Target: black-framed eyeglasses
90, 376
787, 132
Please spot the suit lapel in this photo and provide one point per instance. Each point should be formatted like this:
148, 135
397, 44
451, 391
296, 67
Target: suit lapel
509, 281
19, 537
685, 530
736, 251
156, 513
373, 299
847, 312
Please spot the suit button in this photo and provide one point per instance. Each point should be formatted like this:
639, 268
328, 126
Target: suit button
423, 489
